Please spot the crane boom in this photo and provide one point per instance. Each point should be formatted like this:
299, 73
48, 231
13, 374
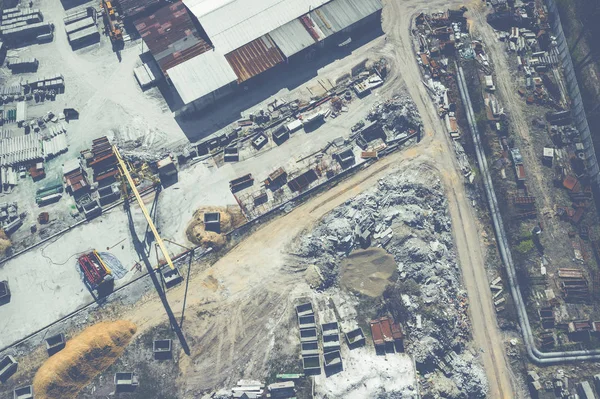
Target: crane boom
138, 197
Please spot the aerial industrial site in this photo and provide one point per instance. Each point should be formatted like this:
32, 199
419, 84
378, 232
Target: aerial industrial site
299, 199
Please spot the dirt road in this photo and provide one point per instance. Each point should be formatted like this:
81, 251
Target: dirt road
467, 238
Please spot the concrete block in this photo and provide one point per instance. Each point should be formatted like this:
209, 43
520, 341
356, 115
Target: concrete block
330, 328
23, 392
212, 221
355, 338
162, 349
8, 366
260, 141
126, 382
55, 343
304, 309
171, 277
308, 335
332, 361
311, 364
307, 321
310, 348
4, 292
331, 342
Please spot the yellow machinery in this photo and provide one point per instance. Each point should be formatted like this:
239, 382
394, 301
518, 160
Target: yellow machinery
125, 171
114, 28
106, 268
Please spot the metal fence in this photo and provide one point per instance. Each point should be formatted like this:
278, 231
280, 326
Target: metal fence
577, 108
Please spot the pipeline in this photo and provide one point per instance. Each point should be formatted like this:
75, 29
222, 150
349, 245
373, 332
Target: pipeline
537, 356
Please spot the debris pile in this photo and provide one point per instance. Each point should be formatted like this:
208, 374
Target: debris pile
398, 115
406, 215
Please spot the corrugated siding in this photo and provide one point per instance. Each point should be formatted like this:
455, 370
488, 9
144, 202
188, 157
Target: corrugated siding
201, 75
234, 23
292, 38
323, 26
254, 58
340, 14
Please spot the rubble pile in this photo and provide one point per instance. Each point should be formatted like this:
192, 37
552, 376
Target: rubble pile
406, 214
398, 114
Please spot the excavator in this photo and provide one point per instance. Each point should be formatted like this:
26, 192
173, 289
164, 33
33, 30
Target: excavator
112, 21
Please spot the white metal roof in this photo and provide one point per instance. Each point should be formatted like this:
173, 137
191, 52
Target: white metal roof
340, 14
232, 23
292, 38
201, 75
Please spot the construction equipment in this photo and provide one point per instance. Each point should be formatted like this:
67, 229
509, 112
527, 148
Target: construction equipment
112, 21
125, 172
94, 269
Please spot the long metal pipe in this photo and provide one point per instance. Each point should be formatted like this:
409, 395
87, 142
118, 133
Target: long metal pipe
537, 356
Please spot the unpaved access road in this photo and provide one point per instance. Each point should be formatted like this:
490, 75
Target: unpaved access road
508, 91
397, 25
243, 292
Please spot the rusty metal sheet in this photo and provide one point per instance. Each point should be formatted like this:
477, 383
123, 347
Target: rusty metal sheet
171, 36
254, 58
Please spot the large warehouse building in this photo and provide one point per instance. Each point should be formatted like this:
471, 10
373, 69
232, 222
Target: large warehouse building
206, 48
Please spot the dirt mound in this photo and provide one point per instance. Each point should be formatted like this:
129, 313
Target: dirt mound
83, 358
4, 242
197, 233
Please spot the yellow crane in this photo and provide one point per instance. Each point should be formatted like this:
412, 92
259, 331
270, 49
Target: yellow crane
125, 171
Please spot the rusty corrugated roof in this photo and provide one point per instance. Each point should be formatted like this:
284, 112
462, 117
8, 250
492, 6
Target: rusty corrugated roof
171, 36
254, 58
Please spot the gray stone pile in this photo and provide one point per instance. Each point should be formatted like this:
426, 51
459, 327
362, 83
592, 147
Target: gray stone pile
406, 213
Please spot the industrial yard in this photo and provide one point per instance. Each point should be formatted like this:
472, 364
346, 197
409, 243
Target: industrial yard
315, 199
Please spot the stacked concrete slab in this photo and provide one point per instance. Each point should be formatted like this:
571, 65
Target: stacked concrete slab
20, 149
89, 34
56, 144
79, 15
79, 25
27, 31
145, 75
20, 18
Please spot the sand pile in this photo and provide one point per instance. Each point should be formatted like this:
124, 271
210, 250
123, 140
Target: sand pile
197, 234
90, 353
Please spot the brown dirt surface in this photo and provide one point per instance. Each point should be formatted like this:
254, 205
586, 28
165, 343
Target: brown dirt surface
4, 242
198, 235
367, 271
84, 357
